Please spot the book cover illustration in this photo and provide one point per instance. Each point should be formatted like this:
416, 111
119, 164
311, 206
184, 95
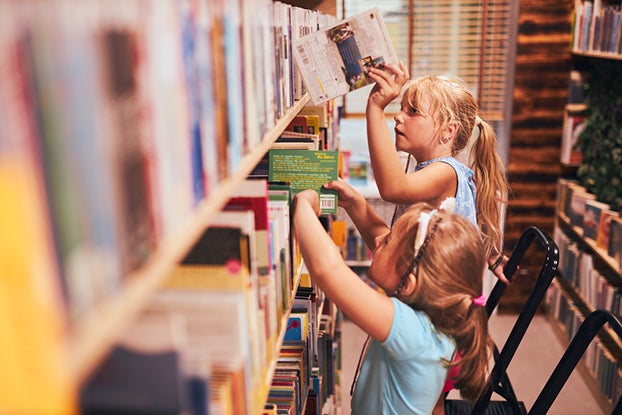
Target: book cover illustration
615, 240
576, 208
591, 218
574, 124
604, 227
306, 169
336, 60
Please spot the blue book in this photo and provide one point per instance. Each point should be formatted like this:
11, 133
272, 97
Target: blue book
130, 382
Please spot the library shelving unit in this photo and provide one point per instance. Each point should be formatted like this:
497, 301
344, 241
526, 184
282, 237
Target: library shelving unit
123, 87
573, 296
590, 274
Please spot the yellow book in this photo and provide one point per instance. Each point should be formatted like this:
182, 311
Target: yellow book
319, 110
313, 124
32, 318
269, 409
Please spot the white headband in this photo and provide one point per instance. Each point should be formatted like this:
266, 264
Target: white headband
448, 205
422, 230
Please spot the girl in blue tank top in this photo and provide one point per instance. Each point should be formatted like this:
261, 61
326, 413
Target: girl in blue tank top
438, 125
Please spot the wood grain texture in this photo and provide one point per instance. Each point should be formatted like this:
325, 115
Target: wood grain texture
543, 63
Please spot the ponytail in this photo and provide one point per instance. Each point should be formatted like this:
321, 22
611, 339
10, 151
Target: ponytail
492, 187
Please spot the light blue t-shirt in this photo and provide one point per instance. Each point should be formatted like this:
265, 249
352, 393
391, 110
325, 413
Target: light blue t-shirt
404, 374
465, 193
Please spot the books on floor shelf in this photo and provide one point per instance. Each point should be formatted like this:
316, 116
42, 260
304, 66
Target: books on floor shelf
598, 358
592, 219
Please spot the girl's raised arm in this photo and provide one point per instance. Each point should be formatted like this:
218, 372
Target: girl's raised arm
367, 308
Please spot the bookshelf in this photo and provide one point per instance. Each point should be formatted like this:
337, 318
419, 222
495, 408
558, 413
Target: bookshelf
96, 332
115, 122
590, 274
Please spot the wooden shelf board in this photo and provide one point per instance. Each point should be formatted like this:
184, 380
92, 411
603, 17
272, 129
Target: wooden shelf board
95, 333
600, 55
601, 253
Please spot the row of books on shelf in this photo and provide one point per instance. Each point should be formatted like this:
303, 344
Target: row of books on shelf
110, 136
132, 113
236, 324
602, 359
594, 220
598, 286
306, 375
597, 26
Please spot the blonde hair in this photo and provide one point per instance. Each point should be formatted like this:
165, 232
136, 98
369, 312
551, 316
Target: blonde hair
451, 101
449, 276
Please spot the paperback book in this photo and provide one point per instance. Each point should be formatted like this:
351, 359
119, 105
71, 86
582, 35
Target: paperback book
335, 60
305, 169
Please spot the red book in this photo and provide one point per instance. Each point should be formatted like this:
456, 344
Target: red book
252, 194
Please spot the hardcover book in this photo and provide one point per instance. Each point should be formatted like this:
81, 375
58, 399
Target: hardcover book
134, 382
576, 207
297, 141
615, 240
336, 60
604, 226
591, 218
574, 124
306, 169
252, 195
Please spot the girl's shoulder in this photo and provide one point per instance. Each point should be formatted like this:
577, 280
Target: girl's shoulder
454, 162
457, 165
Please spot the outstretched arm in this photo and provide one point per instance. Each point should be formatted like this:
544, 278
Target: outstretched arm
384, 158
370, 310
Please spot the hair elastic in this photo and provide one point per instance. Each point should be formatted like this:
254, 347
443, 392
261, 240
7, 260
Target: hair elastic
477, 129
496, 264
480, 301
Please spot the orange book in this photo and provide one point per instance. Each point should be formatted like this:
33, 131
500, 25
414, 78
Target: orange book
591, 218
338, 232
604, 227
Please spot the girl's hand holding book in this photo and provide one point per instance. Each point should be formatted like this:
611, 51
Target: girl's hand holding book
347, 196
389, 82
311, 197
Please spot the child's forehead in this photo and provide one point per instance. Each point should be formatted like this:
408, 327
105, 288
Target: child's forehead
417, 99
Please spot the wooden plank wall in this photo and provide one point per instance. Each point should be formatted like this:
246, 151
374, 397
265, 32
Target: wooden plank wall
543, 63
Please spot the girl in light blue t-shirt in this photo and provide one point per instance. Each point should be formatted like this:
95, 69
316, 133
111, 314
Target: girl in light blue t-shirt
430, 266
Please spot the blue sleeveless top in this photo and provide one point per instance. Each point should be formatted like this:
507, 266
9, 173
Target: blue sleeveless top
465, 193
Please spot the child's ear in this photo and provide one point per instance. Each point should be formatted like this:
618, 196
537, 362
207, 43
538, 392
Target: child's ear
451, 129
409, 285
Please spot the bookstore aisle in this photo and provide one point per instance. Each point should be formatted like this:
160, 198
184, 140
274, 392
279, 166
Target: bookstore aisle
534, 361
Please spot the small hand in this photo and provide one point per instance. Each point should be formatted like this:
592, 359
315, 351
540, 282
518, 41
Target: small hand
498, 270
347, 196
310, 196
389, 82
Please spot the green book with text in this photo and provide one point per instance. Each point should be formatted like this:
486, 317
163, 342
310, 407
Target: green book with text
305, 169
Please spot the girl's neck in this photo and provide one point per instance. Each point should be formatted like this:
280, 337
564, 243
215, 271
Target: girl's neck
433, 156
